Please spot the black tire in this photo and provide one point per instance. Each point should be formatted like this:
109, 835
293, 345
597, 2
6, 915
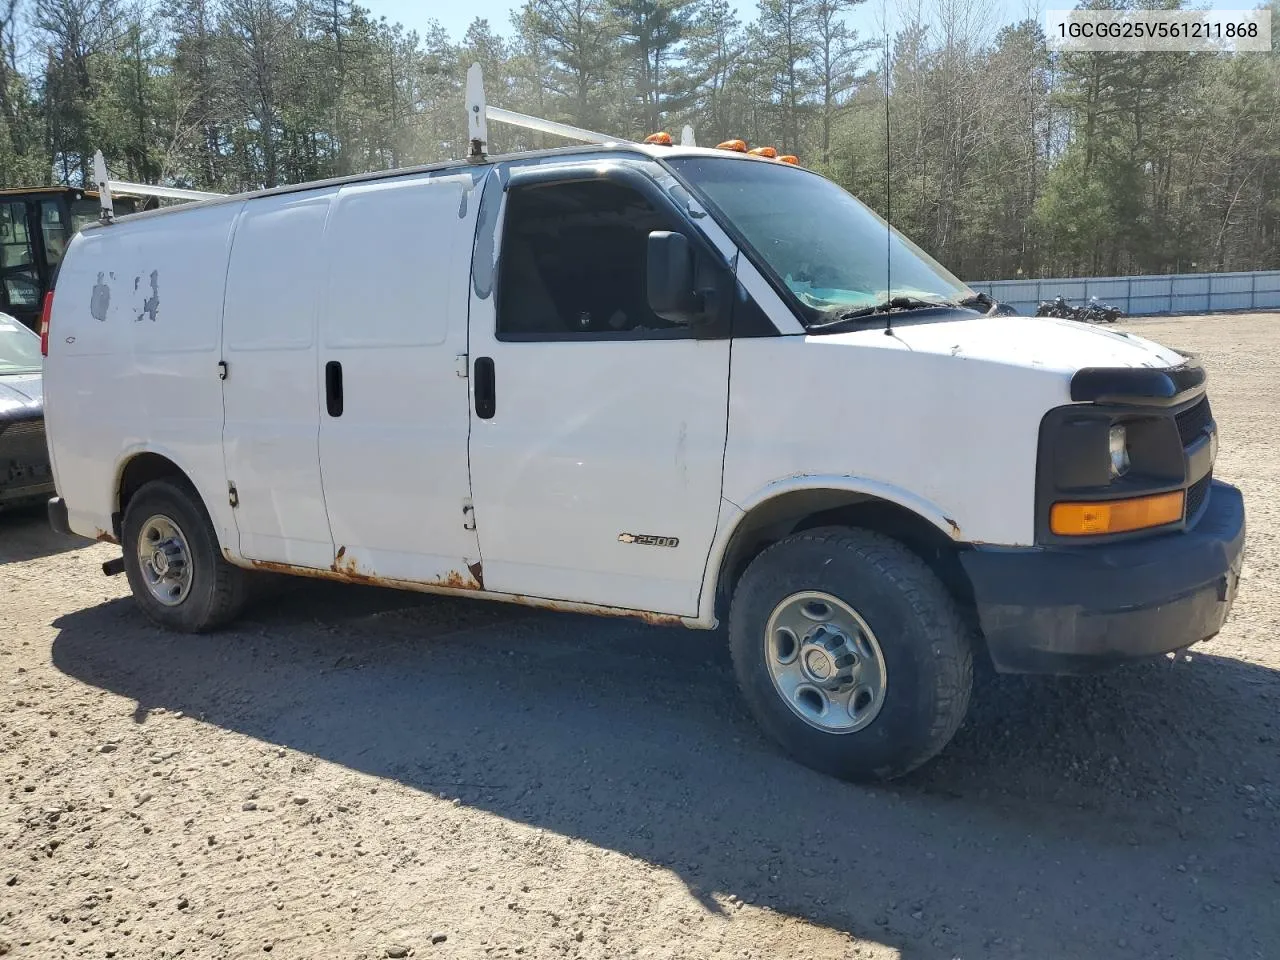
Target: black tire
218, 589
926, 644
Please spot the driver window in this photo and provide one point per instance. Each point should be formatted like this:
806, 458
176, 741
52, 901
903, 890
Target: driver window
573, 264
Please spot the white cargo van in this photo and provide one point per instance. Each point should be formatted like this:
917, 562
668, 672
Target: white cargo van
680, 384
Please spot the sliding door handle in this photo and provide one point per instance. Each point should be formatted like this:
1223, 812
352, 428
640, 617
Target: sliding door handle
333, 388
485, 388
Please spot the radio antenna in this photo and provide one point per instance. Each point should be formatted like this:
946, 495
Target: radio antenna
888, 188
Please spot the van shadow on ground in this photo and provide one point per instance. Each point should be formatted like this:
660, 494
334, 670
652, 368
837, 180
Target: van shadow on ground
25, 535
1072, 818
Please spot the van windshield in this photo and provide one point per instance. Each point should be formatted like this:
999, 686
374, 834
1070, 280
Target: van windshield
19, 347
826, 247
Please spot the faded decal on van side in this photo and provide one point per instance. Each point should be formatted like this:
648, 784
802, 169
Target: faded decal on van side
151, 304
100, 300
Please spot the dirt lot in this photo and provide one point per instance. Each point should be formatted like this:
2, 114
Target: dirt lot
357, 773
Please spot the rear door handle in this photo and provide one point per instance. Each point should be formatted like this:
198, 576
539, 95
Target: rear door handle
333, 388
485, 388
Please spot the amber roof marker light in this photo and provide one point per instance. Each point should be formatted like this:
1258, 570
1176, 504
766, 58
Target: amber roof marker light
790, 158
662, 139
738, 146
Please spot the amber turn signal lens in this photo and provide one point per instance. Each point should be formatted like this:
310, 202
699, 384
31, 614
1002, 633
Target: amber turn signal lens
769, 152
662, 139
789, 158
738, 145
1115, 516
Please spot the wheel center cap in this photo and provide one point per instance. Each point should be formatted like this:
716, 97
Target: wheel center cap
818, 664
160, 562
828, 658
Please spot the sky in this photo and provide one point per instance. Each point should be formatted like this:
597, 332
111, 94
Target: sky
455, 17
867, 18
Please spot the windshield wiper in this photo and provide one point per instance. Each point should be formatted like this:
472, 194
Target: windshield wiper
891, 305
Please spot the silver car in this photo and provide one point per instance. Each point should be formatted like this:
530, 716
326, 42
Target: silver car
25, 476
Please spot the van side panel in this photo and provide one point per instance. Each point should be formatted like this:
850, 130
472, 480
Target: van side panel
394, 319
133, 354
271, 394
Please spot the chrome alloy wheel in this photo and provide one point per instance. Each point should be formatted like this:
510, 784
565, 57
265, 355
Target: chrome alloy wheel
825, 662
165, 560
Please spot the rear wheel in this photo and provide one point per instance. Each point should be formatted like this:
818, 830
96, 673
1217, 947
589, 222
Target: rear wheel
171, 558
851, 653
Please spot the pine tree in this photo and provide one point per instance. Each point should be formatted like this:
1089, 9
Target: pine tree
836, 56
582, 50
715, 47
787, 43
652, 32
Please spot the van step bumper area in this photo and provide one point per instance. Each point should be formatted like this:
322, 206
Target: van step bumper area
58, 516
1065, 610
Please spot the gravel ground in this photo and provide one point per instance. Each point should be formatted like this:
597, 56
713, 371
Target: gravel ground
354, 773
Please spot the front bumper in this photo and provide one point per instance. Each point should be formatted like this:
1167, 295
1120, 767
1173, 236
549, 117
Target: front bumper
25, 475
1081, 609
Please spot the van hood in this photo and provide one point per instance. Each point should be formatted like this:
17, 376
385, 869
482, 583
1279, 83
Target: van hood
1041, 342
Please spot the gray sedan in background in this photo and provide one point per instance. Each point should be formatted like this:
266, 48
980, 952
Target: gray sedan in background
25, 476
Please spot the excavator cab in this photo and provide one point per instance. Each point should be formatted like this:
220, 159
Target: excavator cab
36, 225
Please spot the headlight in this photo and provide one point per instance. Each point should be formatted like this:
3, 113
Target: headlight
1118, 441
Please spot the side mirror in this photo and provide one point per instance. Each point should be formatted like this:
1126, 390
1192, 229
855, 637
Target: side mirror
670, 279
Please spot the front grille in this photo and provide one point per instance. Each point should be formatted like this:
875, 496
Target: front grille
1193, 421
1197, 494
26, 428
24, 454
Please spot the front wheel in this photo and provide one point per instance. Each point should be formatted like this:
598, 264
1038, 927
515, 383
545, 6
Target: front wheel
850, 653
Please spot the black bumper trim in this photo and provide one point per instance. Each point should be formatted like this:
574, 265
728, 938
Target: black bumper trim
1080, 609
58, 516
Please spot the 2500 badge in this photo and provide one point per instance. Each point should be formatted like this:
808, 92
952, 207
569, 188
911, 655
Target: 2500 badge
648, 540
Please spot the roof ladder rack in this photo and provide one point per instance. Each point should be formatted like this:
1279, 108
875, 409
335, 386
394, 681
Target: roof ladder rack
105, 186
478, 112
550, 126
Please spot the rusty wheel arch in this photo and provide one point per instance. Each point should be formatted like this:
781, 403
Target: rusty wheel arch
800, 510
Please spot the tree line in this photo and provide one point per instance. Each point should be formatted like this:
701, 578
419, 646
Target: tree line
1000, 157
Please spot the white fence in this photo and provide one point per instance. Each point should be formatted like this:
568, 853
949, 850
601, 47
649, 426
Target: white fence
1174, 293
